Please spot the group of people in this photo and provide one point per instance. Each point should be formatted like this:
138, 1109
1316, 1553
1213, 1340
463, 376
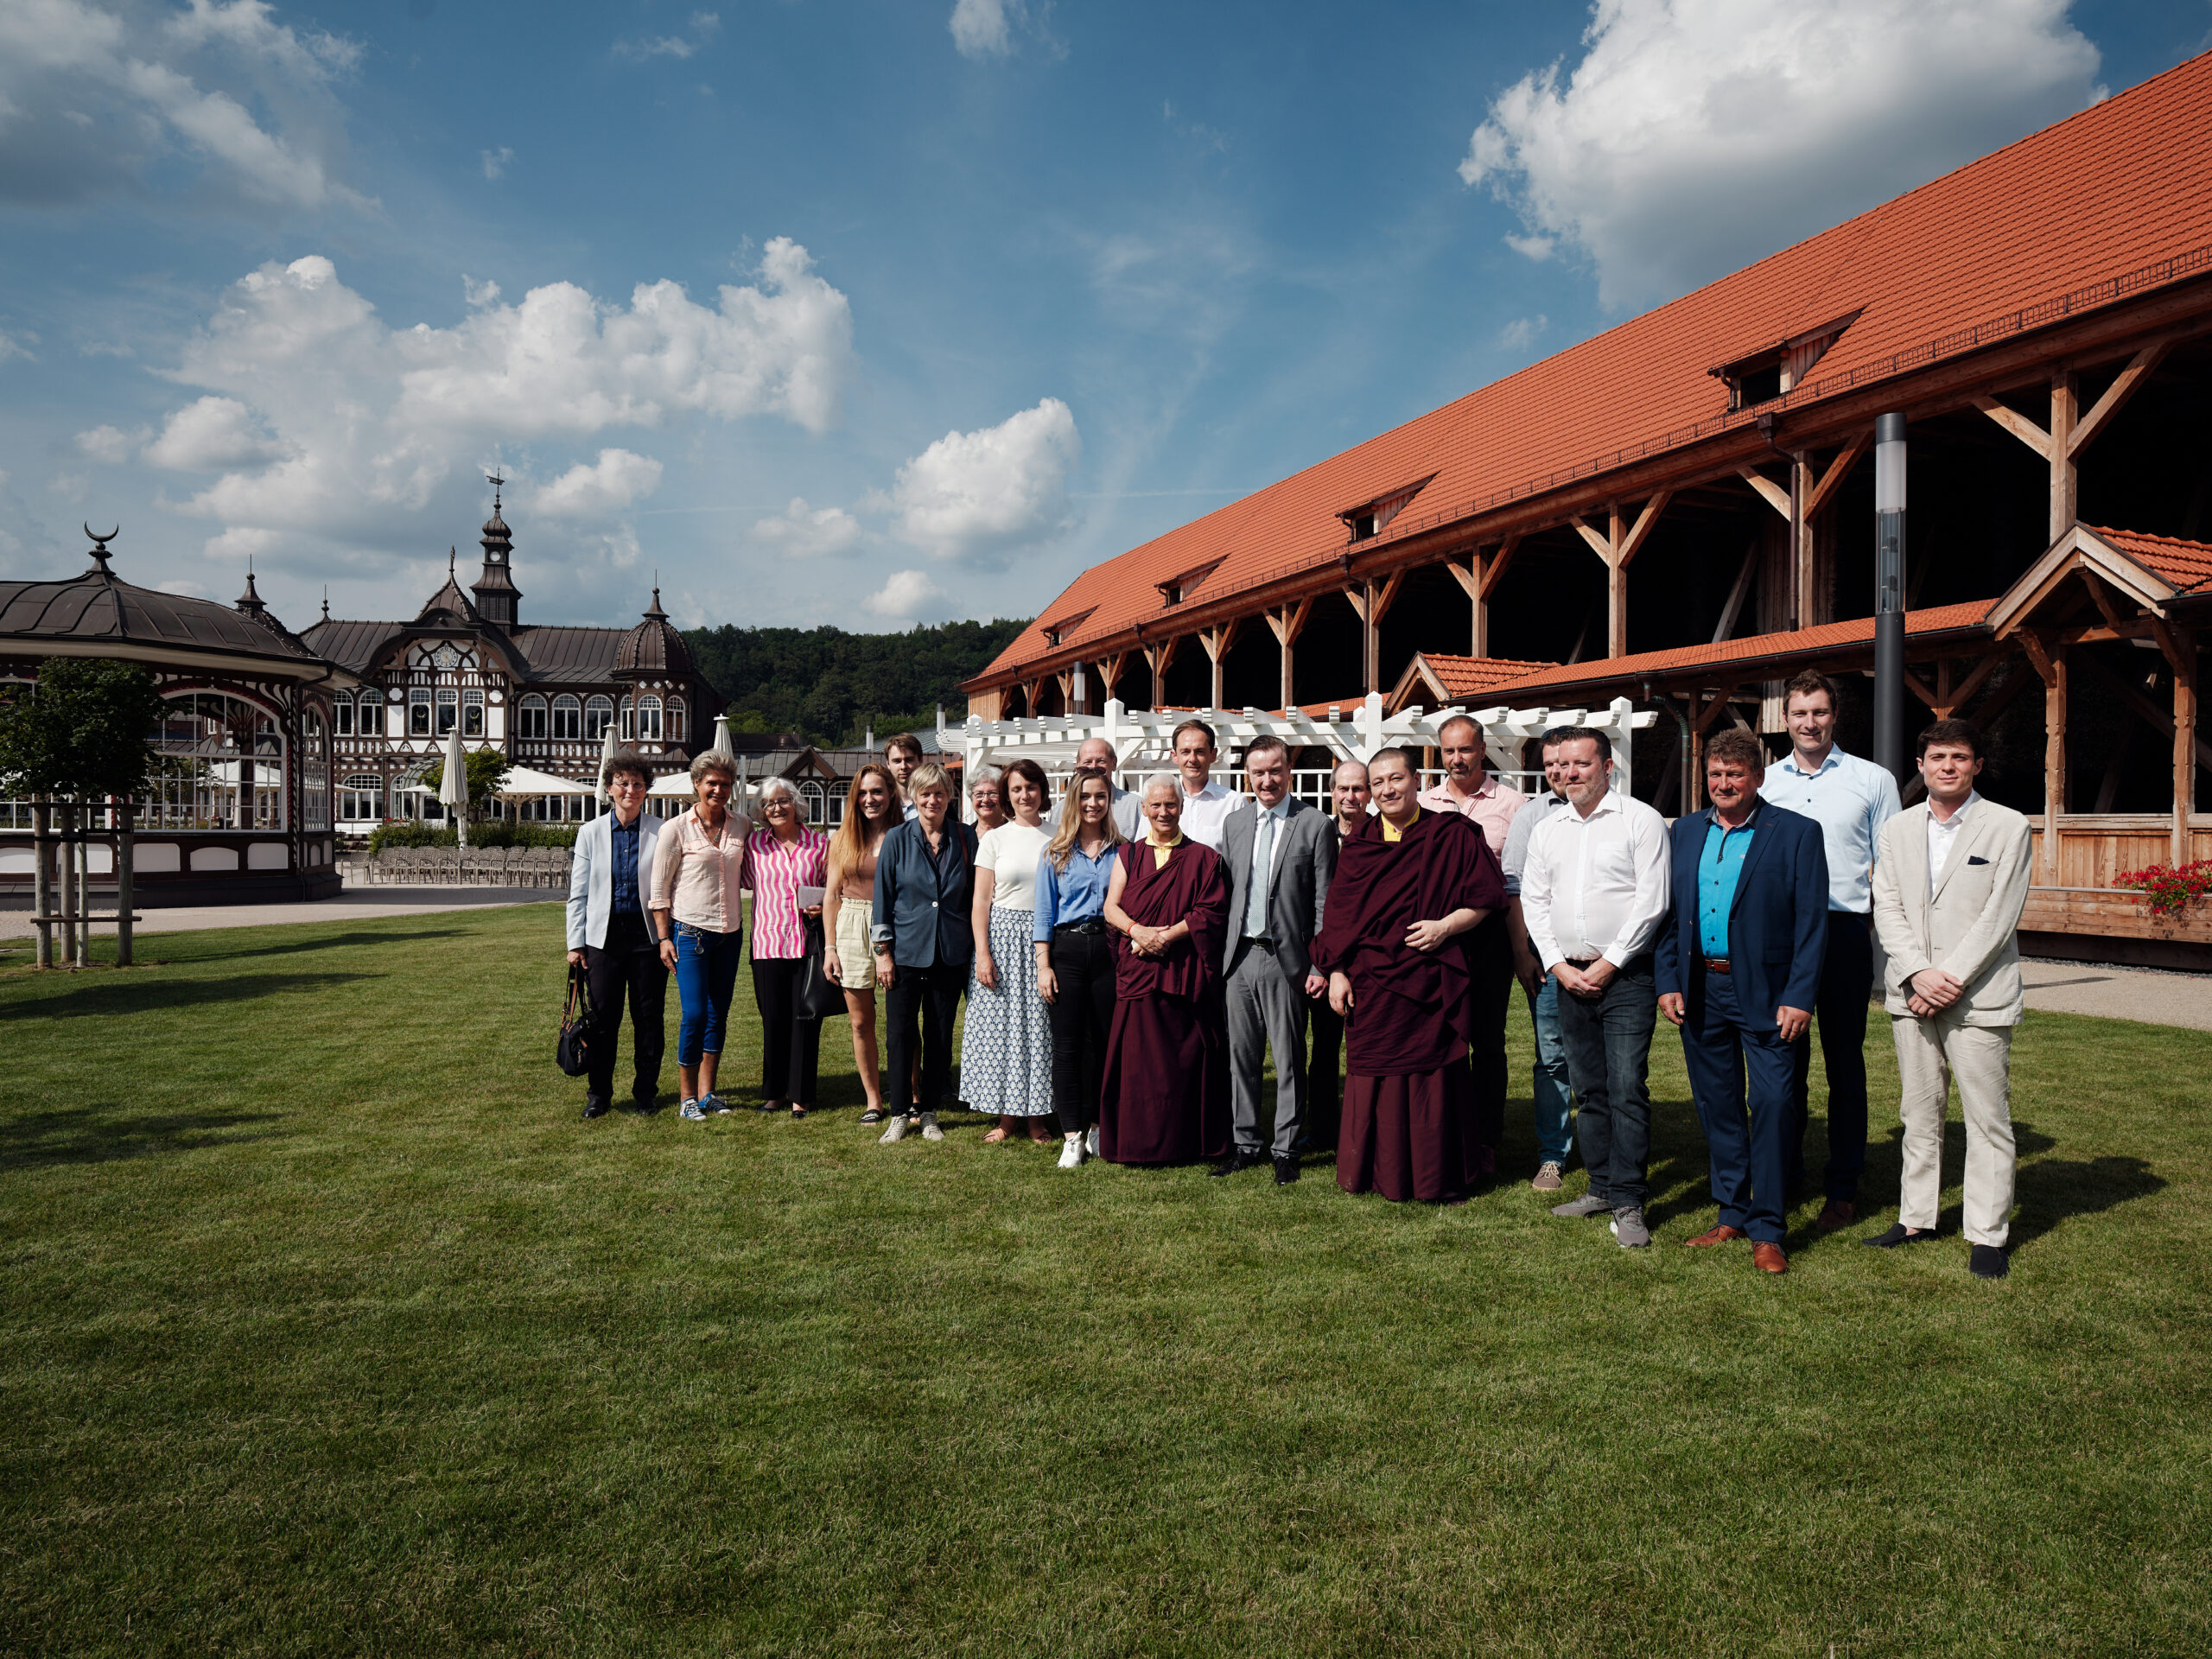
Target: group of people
1131, 960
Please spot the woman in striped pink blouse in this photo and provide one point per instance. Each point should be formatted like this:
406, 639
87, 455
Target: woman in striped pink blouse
782, 858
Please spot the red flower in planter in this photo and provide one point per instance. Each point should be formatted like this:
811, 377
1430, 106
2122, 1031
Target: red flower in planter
2170, 891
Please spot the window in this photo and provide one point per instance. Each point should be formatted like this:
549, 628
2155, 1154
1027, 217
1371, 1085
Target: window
811, 803
530, 719
1372, 519
418, 712
372, 710
649, 719
567, 717
341, 716
315, 774
448, 709
676, 720
472, 714
219, 764
360, 797
1760, 376
1176, 589
599, 714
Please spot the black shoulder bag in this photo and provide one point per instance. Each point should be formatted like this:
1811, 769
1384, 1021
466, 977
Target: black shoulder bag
820, 997
574, 1052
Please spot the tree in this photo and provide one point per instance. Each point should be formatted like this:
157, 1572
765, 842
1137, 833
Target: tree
829, 684
80, 732
487, 768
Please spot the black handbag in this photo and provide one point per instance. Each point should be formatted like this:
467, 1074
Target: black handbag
820, 997
574, 1052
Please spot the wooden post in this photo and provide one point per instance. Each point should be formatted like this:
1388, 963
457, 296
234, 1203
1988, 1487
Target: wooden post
66, 911
1369, 602
43, 878
1216, 642
2064, 403
1616, 547
1109, 673
2049, 661
83, 952
126, 888
1286, 627
1471, 582
1157, 657
2180, 647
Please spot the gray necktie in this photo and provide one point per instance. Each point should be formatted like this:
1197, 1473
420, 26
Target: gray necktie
1256, 908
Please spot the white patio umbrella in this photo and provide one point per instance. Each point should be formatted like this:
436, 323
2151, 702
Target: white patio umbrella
605, 754
722, 737
453, 788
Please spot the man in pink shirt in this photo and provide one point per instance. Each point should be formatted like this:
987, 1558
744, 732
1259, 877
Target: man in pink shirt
1473, 793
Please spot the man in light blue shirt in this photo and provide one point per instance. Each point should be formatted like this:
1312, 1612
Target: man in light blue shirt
1552, 1095
1851, 799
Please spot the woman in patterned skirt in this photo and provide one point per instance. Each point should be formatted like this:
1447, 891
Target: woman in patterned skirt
872, 812
1005, 1048
781, 859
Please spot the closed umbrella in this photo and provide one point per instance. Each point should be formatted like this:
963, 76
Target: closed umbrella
722, 737
605, 754
453, 788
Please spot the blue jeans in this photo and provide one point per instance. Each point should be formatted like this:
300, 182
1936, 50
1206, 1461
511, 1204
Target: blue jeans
1608, 1041
1555, 1095
706, 975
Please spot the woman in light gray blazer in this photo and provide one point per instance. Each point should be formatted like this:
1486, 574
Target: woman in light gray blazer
611, 934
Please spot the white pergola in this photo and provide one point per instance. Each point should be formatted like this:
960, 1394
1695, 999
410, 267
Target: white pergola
1140, 738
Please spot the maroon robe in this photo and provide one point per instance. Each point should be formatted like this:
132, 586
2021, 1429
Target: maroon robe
1165, 1098
1408, 1128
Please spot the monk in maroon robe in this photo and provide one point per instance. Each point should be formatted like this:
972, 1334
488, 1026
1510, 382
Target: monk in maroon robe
1166, 1093
1412, 888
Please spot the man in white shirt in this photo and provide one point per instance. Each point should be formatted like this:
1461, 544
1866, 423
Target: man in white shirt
1551, 1091
1206, 804
1948, 890
1594, 893
1095, 755
1851, 799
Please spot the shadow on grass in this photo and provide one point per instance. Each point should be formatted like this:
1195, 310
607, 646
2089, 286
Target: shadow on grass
2051, 1190
99, 1135
112, 997
336, 942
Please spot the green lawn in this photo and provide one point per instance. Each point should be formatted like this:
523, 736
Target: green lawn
327, 1327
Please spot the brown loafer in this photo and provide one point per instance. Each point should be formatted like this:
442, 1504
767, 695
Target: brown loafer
1721, 1235
1768, 1258
1836, 1215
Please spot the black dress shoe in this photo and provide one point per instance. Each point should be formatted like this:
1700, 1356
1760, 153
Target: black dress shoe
1989, 1262
641, 1106
1243, 1159
1285, 1170
594, 1107
1899, 1234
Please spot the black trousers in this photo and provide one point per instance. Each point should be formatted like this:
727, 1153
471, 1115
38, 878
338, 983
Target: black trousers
631, 964
1840, 1011
1489, 962
790, 1046
1081, 1013
1324, 1102
930, 997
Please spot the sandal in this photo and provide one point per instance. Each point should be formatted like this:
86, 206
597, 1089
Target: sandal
874, 1114
797, 1110
996, 1136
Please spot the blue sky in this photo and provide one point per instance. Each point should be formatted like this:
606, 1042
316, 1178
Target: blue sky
875, 313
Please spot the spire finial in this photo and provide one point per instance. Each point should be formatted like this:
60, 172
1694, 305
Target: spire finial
451, 553
326, 601
99, 545
497, 484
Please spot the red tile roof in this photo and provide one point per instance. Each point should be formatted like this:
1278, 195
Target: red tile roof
1468, 677
2183, 566
2093, 209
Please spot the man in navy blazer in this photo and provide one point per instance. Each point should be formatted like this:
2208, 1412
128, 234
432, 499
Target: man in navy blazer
1737, 967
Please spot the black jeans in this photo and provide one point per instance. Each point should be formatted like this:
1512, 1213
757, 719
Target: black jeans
1839, 1010
1608, 1042
1324, 1086
630, 961
1490, 963
790, 1047
930, 996
1081, 1013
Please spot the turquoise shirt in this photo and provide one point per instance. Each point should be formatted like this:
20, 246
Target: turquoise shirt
1719, 867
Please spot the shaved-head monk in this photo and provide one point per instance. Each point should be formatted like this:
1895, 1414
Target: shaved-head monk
1165, 1095
1411, 888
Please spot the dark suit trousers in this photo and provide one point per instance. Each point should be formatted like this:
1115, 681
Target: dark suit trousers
1324, 1086
1490, 991
629, 963
930, 997
1839, 1010
1082, 1014
790, 1046
1720, 1050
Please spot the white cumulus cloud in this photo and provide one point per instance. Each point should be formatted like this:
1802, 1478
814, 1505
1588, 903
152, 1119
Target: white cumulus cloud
981, 496
10, 346
1695, 136
801, 531
907, 595
704, 25
104, 443
214, 434
596, 489
495, 162
983, 29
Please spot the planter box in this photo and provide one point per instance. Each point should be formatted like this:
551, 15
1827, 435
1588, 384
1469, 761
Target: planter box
2107, 925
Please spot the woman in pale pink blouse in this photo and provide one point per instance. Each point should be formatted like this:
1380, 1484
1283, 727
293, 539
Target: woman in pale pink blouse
783, 857
698, 867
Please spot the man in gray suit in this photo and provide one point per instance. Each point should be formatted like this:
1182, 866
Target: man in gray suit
1949, 886
1279, 853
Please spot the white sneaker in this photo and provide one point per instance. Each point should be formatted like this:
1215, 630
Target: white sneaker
690, 1112
1071, 1152
929, 1130
895, 1130
1090, 1141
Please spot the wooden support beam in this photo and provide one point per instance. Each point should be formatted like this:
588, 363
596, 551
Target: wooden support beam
2018, 425
1775, 495
2139, 369
1920, 688
1470, 583
2186, 745
1598, 544
1157, 656
1109, 672
1736, 594
1216, 642
2157, 719
1287, 626
2050, 664
2065, 482
1369, 602
1838, 469
1494, 567
2102, 596
1645, 521
1959, 695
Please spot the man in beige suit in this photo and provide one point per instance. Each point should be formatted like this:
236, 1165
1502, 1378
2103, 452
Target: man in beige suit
1949, 886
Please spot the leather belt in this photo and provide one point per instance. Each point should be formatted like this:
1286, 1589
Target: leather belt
1088, 925
1716, 964
1259, 940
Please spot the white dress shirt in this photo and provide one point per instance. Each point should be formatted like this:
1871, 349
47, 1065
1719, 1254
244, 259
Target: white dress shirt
1943, 834
1596, 887
1851, 799
1205, 813
1266, 832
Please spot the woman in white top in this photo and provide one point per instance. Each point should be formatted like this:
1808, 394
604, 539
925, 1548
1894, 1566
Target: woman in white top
1006, 1047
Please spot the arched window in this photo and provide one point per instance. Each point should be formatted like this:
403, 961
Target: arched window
448, 709
567, 717
315, 774
371, 713
629, 730
360, 799
649, 719
419, 711
810, 799
219, 764
341, 716
676, 713
530, 719
599, 714
471, 713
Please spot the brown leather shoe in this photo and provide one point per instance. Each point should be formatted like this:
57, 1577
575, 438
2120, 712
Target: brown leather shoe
1720, 1235
1768, 1258
1836, 1215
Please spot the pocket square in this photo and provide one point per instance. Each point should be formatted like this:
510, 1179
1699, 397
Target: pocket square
1973, 859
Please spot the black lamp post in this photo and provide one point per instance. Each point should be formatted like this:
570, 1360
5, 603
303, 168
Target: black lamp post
1889, 593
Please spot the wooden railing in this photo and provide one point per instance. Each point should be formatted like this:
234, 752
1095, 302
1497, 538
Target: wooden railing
2095, 847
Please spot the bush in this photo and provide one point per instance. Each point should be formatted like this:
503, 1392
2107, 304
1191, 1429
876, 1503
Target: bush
2172, 891
407, 833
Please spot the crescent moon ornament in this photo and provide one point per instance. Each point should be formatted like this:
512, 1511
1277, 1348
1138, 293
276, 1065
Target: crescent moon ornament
110, 537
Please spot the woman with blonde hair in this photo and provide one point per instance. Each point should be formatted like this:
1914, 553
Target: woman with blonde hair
925, 881
698, 867
781, 858
1006, 1047
1075, 956
873, 809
